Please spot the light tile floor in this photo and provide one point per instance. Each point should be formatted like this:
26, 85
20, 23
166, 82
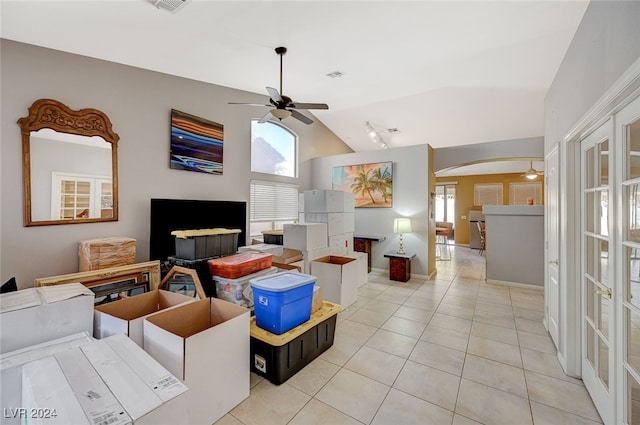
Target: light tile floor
453, 350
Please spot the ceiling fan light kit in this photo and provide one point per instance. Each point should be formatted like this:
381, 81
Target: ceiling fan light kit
284, 106
532, 173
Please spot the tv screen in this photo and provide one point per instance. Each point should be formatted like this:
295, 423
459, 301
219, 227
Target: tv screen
168, 215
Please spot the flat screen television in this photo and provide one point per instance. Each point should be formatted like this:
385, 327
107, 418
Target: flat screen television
168, 215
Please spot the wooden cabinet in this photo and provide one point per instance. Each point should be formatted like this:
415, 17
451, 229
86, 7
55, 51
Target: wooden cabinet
399, 265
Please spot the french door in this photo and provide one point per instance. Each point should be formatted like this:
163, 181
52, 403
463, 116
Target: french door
598, 348
628, 130
610, 266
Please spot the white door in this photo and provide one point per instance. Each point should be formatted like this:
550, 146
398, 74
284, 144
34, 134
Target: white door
552, 289
596, 277
628, 296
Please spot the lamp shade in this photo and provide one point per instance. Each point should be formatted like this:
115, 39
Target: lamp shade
402, 225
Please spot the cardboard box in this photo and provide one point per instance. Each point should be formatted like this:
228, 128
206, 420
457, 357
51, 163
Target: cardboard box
363, 270
338, 278
35, 315
96, 254
322, 201
310, 255
305, 236
38, 351
316, 303
45, 389
341, 244
206, 345
288, 256
126, 316
148, 392
337, 223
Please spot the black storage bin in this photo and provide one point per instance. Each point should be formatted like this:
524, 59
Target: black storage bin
201, 266
277, 362
197, 244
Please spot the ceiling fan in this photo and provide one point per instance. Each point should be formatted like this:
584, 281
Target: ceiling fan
532, 173
282, 106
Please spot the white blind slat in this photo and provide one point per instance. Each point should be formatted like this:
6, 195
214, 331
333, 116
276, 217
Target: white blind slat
273, 201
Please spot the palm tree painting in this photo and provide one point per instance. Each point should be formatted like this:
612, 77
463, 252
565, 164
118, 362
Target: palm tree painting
371, 184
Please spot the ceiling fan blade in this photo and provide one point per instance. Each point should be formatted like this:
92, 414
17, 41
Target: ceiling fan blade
265, 118
300, 105
275, 96
299, 116
250, 104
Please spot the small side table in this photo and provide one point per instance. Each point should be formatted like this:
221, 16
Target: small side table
399, 265
362, 243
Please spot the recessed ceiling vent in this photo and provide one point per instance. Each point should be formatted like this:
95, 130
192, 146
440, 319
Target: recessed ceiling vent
170, 5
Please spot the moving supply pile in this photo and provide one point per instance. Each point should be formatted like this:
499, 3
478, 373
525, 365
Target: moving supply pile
283, 300
97, 254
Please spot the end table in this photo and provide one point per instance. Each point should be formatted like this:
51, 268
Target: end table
399, 265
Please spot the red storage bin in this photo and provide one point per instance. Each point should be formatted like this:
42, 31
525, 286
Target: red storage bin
239, 265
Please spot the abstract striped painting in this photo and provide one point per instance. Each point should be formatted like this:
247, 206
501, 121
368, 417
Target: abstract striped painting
196, 143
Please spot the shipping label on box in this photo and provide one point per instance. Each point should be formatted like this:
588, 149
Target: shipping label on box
341, 244
206, 344
97, 401
126, 316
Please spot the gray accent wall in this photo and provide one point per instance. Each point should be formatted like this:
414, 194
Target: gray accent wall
139, 103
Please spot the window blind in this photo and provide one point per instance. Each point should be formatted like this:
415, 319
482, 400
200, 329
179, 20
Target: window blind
519, 192
271, 201
487, 194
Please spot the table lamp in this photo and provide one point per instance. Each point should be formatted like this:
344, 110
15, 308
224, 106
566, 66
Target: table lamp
400, 226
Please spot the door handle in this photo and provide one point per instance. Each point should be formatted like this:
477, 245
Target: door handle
606, 292
556, 262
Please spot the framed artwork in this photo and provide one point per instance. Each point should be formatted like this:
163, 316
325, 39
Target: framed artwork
196, 143
371, 184
113, 283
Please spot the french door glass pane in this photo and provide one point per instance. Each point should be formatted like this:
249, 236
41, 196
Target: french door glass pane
633, 150
590, 213
604, 209
589, 169
603, 272
603, 362
633, 276
590, 344
604, 304
633, 339
590, 247
634, 400
604, 163
591, 295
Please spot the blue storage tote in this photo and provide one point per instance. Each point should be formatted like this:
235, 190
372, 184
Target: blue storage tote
282, 301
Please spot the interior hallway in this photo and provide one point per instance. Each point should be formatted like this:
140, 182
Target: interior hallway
454, 350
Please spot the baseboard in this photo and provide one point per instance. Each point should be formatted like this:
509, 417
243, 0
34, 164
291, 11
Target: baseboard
516, 284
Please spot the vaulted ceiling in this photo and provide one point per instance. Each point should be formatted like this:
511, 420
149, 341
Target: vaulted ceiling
440, 72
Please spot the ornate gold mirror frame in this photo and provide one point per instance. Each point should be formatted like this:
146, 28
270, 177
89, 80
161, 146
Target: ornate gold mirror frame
51, 114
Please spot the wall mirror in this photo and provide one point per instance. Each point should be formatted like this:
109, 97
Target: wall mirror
70, 165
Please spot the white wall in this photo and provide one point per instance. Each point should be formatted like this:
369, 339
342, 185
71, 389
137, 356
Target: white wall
139, 103
410, 199
605, 45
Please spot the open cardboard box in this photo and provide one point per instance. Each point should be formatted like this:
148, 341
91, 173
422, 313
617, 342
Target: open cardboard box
338, 278
206, 345
126, 316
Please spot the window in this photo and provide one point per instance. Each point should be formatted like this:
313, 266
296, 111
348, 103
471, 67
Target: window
519, 193
271, 206
273, 149
487, 194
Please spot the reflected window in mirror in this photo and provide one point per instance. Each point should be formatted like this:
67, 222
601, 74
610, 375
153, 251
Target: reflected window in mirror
70, 165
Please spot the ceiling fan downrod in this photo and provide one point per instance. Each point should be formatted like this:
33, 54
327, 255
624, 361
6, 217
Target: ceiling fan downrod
281, 52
